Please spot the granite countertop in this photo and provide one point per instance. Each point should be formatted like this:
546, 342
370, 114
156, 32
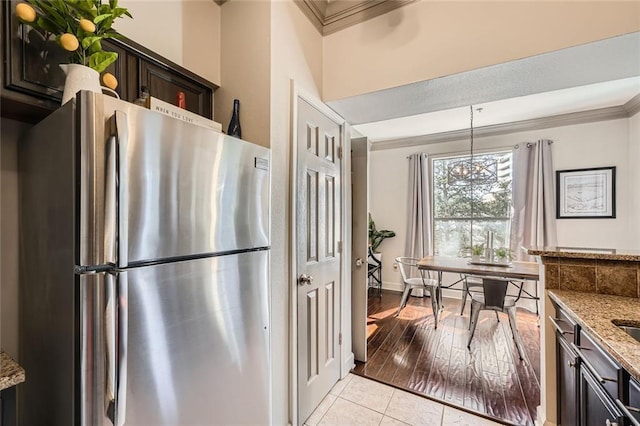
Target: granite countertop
10, 372
585, 253
594, 313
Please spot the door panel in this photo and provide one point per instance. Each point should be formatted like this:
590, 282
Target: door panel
360, 244
318, 206
198, 342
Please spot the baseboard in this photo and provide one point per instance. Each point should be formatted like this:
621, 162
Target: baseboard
541, 419
349, 364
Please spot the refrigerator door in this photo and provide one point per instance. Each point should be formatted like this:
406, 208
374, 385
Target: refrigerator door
191, 190
197, 350
182, 190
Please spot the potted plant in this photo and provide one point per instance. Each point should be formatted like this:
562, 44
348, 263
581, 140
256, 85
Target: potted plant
477, 251
78, 26
503, 254
377, 236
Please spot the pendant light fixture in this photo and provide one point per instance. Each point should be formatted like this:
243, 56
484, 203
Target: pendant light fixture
478, 171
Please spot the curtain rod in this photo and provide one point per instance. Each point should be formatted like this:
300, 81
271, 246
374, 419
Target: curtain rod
530, 144
421, 153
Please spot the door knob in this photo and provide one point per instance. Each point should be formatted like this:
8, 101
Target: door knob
359, 262
305, 279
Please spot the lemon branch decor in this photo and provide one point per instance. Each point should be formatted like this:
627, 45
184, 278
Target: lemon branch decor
78, 25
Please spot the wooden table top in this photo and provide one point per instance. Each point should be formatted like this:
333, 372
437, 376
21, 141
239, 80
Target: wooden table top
515, 270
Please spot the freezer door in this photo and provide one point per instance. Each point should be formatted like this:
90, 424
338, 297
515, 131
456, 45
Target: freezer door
197, 342
191, 190
180, 189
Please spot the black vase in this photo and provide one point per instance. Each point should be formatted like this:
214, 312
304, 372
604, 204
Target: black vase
234, 125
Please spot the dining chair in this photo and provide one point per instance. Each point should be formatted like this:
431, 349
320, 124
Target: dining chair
374, 271
469, 284
405, 264
494, 297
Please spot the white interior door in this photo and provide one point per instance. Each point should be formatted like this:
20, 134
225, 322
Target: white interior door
360, 244
318, 260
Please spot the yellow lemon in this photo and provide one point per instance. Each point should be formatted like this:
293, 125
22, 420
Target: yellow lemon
87, 25
110, 80
69, 42
25, 12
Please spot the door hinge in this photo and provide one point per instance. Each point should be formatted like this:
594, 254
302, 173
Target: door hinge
340, 152
340, 338
339, 246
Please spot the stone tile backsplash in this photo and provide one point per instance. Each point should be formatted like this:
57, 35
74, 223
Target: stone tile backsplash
618, 278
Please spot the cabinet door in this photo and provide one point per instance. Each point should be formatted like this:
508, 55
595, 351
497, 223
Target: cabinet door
567, 383
164, 84
596, 407
118, 69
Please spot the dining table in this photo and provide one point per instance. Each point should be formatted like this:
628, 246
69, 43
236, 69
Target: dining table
511, 271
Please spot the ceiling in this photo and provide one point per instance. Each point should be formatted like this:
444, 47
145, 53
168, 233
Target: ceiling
599, 80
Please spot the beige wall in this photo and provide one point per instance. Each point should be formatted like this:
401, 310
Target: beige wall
634, 176
296, 53
201, 38
429, 39
186, 32
245, 68
156, 24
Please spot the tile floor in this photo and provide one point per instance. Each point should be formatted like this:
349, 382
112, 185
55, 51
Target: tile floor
356, 400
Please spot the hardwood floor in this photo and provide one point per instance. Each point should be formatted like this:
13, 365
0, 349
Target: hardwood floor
407, 352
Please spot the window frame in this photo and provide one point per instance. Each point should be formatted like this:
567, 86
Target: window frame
462, 154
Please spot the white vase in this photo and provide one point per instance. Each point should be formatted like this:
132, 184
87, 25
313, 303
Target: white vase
79, 77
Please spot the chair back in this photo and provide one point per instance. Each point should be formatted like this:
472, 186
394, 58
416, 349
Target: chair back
494, 292
406, 262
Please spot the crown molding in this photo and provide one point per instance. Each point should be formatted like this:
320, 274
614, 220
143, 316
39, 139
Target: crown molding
602, 114
329, 16
633, 105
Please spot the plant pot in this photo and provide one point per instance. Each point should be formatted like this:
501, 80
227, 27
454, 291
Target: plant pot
79, 77
476, 258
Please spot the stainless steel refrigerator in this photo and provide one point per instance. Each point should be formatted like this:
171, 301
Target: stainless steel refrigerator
144, 279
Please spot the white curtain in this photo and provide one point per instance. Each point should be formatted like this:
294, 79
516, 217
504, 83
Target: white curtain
419, 228
533, 221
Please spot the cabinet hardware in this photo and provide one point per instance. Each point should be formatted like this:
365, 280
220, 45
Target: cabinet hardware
578, 350
554, 321
626, 411
571, 364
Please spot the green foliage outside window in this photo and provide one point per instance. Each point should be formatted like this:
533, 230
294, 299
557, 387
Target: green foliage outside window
463, 213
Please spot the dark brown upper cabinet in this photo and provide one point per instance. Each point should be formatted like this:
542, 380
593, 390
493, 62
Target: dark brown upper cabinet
32, 82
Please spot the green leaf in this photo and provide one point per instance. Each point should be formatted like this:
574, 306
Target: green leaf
99, 61
47, 25
113, 3
88, 41
95, 47
101, 18
104, 9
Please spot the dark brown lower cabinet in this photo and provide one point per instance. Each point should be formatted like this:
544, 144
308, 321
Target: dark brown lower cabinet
597, 408
567, 368
592, 388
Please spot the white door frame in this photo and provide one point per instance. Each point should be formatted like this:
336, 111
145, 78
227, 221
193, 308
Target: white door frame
346, 359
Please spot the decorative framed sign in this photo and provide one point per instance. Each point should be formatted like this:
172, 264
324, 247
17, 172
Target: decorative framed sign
586, 193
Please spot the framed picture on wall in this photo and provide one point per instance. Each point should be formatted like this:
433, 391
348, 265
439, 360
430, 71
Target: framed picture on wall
586, 193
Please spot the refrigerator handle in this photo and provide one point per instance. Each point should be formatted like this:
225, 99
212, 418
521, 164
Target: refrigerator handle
122, 134
110, 204
110, 322
123, 317
116, 319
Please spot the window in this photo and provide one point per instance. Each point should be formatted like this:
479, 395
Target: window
469, 201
